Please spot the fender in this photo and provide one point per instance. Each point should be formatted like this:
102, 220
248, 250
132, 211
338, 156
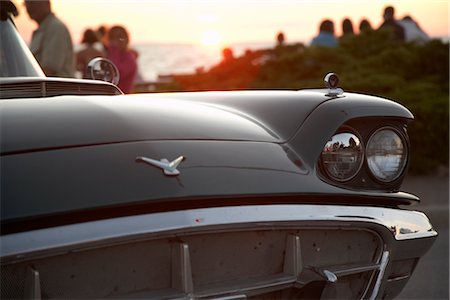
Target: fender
323, 122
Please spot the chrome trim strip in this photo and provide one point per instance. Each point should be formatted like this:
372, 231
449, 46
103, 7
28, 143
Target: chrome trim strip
403, 224
383, 264
233, 297
32, 284
249, 287
181, 269
400, 278
293, 263
350, 270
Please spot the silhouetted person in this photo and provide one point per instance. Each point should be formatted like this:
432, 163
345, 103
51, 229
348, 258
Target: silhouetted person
51, 43
326, 35
391, 24
88, 52
347, 27
280, 39
364, 26
227, 55
122, 56
413, 32
102, 34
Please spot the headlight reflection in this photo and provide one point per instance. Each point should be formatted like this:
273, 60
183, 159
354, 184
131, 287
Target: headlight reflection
342, 156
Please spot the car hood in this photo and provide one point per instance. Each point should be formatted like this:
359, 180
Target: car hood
72, 121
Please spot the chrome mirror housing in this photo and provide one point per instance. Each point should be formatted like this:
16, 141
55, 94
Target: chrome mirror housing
100, 68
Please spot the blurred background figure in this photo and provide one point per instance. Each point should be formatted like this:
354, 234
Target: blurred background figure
347, 27
102, 31
88, 52
390, 23
227, 55
280, 39
122, 56
326, 35
51, 43
364, 26
413, 32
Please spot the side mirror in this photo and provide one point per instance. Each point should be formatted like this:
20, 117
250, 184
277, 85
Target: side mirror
100, 68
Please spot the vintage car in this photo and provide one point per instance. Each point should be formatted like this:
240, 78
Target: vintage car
218, 195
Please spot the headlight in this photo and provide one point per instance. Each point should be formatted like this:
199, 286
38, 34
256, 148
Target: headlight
342, 156
386, 154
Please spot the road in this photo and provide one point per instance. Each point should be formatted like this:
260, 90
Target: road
431, 278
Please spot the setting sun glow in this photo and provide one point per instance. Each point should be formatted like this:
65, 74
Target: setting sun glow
227, 21
211, 38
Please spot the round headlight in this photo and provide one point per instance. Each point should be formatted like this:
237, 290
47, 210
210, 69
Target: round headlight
342, 156
386, 154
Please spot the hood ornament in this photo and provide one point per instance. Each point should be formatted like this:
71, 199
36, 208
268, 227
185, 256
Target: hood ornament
331, 82
169, 168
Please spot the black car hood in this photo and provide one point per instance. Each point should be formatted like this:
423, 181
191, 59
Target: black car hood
72, 121
69, 159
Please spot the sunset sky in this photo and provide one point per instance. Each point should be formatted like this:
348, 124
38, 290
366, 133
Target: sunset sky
231, 21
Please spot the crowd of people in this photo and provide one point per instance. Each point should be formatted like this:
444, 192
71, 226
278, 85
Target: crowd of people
52, 44
405, 29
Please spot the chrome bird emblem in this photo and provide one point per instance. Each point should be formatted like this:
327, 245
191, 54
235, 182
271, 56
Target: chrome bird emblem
169, 167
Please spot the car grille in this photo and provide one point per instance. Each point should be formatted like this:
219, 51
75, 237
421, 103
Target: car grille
278, 263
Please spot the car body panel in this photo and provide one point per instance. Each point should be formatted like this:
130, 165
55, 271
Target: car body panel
100, 120
262, 116
108, 176
332, 114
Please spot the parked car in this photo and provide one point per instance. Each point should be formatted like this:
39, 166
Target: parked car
223, 195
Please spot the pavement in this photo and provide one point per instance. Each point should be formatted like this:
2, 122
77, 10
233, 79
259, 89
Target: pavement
431, 277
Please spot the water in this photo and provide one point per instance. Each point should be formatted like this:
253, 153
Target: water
165, 59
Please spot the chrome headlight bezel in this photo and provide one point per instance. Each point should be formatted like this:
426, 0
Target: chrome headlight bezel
402, 165
365, 128
358, 163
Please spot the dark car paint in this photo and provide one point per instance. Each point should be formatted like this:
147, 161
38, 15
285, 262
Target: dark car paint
248, 116
108, 176
232, 147
103, 120
268, 116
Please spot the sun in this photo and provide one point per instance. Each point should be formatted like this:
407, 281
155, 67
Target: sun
211, 38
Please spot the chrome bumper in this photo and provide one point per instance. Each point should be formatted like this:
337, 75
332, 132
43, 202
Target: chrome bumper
183, 233
403, 224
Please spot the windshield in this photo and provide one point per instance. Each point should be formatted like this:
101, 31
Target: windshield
15, 57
